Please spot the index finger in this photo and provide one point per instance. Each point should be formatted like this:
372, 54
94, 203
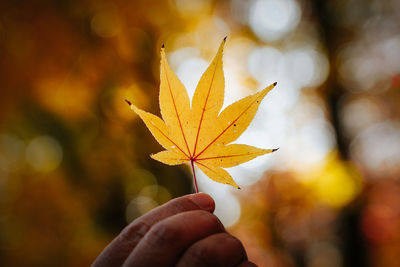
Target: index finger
118, 250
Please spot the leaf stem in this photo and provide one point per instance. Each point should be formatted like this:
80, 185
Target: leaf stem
194, 176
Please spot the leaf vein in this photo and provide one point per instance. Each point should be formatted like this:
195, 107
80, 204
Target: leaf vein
204, 109
170, 140
211, 170
219, 135
227, 156
176, 112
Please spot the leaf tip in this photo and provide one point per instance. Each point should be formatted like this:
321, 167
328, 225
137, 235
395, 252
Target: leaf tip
275, 149
275, 83
225, 38
129, 103
162, 46
238, 187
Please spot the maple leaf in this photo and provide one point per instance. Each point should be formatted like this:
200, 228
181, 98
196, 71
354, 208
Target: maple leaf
198, 133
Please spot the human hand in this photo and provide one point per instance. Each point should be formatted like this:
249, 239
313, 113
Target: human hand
182, 232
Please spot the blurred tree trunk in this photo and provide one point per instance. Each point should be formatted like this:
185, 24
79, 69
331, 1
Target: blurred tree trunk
332, 36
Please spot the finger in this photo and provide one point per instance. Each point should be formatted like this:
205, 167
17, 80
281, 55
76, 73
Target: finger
119, 249
168, 239
217, 250
247, 264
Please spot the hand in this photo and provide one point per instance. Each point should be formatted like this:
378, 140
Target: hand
182, 232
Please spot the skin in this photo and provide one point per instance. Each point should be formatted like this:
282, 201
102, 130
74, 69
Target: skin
182, 232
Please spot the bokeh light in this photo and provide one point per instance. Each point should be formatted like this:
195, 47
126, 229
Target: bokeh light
106, 22
378, 146
272, 19
74, 159
44, 153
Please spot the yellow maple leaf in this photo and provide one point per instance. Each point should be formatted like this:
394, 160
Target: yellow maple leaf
199, 133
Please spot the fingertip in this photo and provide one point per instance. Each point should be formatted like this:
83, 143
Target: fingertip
204, 201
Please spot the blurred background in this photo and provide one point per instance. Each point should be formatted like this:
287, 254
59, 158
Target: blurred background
74, 159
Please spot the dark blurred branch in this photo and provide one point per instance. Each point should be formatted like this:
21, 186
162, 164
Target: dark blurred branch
332, 36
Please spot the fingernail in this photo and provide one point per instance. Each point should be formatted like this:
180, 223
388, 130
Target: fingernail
204, 201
